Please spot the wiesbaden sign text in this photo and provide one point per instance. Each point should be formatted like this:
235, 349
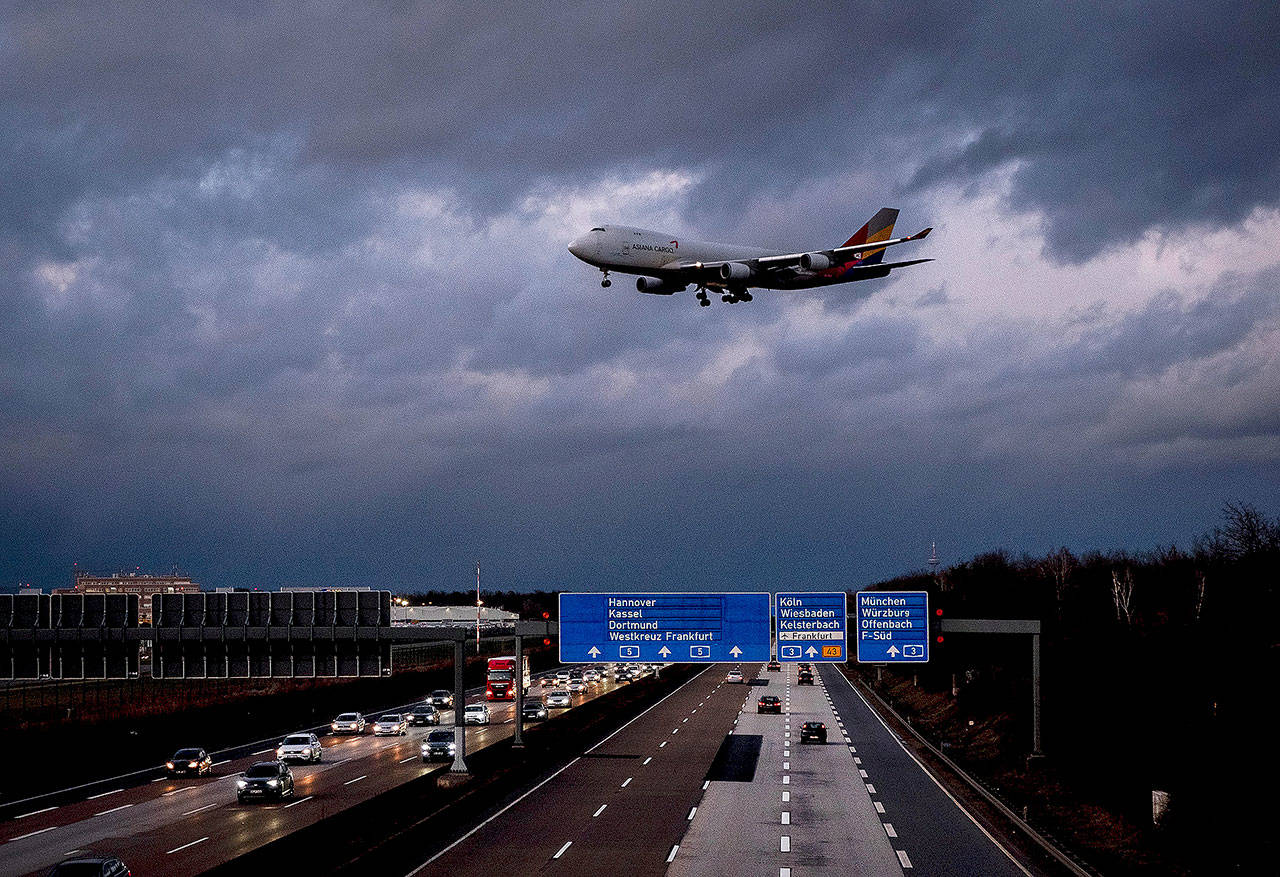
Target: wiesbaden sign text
683, 627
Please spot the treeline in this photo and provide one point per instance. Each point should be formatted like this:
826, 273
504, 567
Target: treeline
1159, 670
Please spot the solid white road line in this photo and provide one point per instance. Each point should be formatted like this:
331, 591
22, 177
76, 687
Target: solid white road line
356, 780
902, 857
184, 846
32, 833
671, 857
35, 812
224, 761
560, 852
888, 829
205, 807
297, 802
598, 812
103, 794
114, 810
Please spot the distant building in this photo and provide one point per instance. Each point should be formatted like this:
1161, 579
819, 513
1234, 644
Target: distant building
451, 616
142, 584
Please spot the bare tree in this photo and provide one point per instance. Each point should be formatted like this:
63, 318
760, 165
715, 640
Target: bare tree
1122, 594
1058, 566
1200, 586
1245, 532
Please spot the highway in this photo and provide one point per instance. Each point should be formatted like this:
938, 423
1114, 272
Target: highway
183, 826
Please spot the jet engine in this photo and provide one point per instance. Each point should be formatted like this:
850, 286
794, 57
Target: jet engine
815, 262
735, 271
654, 286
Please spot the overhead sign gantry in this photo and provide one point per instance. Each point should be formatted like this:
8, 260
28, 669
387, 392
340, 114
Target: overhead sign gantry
893, 627
681, 627
811, 626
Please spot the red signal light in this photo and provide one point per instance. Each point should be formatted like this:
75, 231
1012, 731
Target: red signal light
937, 612
938, 638
546, 615
546, 641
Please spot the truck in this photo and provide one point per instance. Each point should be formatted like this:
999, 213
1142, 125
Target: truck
500, 677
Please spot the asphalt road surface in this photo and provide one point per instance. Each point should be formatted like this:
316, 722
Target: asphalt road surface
183, 826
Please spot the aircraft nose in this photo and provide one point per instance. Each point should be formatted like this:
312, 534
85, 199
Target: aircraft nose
577, 247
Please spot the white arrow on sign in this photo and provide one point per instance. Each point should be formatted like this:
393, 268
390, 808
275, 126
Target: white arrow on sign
811, 651
664, 651
593, 652
893, 650
735, 651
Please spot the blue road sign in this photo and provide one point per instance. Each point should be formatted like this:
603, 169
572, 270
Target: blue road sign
892, 627
679, 628
812, 626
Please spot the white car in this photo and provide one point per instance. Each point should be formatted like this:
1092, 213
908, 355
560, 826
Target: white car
476, 714
562, 676
559, 698
590, 675
348, 723
300, 747
733, 676
391, 725
576, 684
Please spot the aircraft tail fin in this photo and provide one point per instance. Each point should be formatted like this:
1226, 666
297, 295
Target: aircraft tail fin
878, 228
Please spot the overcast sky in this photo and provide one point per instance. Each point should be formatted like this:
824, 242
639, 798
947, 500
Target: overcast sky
285, 296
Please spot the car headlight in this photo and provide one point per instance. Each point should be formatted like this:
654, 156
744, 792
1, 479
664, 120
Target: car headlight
280, 752
169, 764
273, 783
334, 726
307, 752
193, 764
241, 784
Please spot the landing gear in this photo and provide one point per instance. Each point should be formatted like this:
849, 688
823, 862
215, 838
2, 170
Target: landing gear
606, 283
701, 295
733, 296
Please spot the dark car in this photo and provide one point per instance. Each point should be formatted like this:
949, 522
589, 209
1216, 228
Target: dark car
813, 732
189, 762
266, 779
774, 667
438, 746
442, 697
770, 703
534, 711
88, 864
422, 714
805, 678
804, 665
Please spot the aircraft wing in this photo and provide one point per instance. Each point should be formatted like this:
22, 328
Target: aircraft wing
839, 255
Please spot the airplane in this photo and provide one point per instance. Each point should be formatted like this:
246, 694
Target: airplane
667, 265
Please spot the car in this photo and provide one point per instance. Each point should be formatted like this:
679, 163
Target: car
559, 698
770, 703
188, 762
348, 723
804, 665
733, 676
774, 667
813, 732
264, 780
88, 864
562, 676
391, 725
300, 747
590, 675
534, 711
439, 745
476, 714
442, 698
422, 714
804, 679
576, 684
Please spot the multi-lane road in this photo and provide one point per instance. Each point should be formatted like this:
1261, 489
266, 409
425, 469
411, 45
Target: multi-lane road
702, 784
184, 826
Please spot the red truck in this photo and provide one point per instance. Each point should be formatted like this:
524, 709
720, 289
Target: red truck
499, 682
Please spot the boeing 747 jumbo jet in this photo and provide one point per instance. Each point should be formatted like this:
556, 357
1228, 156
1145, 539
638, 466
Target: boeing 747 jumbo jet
667, 265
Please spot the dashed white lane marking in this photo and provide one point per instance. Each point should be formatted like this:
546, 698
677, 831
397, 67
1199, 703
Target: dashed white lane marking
102, 794
598, 812
205, 807
871, 790
297, 802
786, 817
216, 763
888, 829
857, 760
114, 810
902, 857
786, 796
785, 843
184, 846
682, 721
162, 779
663, 743
626, 782
410, 758
356, 780
784, 872
786, 765
671, 856
692, 810
35, 812
263, 751
176, 791
675, 730
863, 773
879, 807
341, 761
560, 852
786, 779
32, 833
646, 761
705, 783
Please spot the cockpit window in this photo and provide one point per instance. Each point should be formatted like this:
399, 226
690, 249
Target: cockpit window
597, 229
